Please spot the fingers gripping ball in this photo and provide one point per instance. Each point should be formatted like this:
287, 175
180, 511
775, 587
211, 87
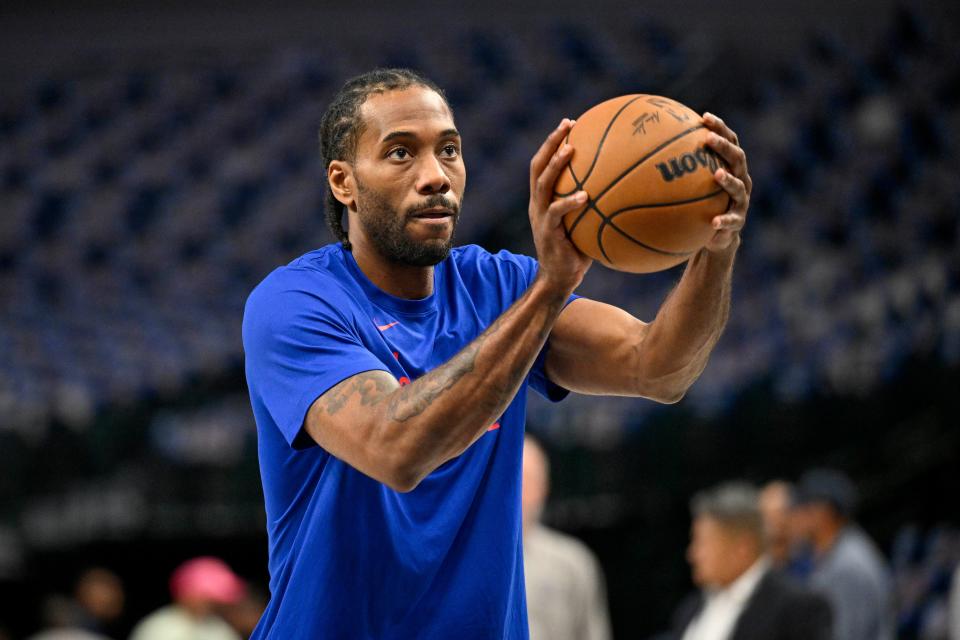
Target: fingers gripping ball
644, 162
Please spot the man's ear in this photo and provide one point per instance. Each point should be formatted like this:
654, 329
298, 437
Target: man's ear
342, 183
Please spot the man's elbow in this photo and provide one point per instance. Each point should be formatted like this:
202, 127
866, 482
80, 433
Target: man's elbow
665, 392
403, 474
668, 387
670, 396
402, 482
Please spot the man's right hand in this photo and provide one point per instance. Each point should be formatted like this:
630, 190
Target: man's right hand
562, 265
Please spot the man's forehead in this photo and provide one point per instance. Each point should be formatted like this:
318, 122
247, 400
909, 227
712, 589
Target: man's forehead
407, 109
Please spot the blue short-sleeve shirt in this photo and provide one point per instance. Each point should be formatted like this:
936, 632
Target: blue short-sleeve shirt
350, 557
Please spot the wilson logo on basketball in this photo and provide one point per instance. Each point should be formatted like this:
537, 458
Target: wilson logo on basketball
688, 163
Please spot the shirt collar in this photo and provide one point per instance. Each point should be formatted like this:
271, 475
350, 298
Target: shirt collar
743, 587
384, 300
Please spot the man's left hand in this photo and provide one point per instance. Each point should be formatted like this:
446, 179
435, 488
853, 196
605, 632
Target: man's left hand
736, 181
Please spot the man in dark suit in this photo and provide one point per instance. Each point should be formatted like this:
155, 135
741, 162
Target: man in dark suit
740, 597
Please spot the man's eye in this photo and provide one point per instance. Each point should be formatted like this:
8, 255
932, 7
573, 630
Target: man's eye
451, 151
399, 153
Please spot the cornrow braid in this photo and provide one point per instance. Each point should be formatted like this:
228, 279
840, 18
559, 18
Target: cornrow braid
341, 126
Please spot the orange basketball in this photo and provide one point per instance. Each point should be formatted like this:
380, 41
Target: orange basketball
644, 163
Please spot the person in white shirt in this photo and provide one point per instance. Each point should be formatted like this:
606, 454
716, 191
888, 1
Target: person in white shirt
566, 596
739, 597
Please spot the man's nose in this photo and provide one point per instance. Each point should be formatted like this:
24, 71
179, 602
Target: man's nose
432, 178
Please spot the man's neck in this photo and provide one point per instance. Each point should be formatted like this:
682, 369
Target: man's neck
400, 280
748, 564
825, 538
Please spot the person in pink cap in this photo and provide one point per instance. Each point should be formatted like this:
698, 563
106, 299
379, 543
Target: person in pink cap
198, 587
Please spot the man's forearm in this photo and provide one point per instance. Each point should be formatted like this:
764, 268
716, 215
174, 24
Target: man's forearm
420, 426
678, 342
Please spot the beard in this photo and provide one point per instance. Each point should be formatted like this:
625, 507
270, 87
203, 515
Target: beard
387, 229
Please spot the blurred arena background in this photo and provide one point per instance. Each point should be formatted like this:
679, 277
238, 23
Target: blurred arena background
157, 161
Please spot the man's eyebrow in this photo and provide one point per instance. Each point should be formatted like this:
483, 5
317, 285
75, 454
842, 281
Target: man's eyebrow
393, 135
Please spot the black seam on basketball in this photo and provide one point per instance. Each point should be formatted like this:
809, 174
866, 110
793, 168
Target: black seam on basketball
600, 229
654, 151
592, 203
654, 205
608, 221
576, 182
593, 163
566, 229
613, 225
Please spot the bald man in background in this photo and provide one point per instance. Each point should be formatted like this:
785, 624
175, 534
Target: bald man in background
775, 499
566, 596
786, 548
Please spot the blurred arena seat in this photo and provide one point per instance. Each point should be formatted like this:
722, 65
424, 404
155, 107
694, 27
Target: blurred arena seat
140, 205
923, 564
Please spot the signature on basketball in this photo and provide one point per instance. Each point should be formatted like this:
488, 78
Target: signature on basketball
670, 107
640, 124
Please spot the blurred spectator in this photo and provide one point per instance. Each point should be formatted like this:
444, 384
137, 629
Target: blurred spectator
62, 622
849, 569
954, 613
785, 548
100, 596
775, 508
740, 596
198, 587
566, 596
93, 613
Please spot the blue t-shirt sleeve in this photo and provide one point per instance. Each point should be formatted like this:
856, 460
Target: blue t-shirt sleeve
298, 344
527, 268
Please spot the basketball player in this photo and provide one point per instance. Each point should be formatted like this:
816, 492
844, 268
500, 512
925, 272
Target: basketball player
388, 375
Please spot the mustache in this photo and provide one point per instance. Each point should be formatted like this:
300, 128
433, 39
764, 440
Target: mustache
436, 200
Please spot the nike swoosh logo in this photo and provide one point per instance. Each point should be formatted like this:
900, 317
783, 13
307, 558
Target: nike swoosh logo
384, 327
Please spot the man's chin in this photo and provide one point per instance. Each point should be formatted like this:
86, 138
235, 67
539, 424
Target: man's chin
420, 253
432, 252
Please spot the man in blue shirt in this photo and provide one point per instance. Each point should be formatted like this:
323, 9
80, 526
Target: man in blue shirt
388, 375
848, 568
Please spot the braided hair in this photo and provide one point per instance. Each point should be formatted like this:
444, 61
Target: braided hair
341, 126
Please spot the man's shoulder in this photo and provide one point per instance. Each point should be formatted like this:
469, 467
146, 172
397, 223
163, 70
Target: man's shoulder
508, 269
562, 547
171, 622
320, 273
475, 254
855, 543
856, 554
160, 623
324, 262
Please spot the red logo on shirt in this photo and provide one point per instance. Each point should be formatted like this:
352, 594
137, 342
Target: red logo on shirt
384, 327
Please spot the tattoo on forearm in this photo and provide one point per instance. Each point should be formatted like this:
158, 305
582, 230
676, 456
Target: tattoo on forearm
370, 386
411, 401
